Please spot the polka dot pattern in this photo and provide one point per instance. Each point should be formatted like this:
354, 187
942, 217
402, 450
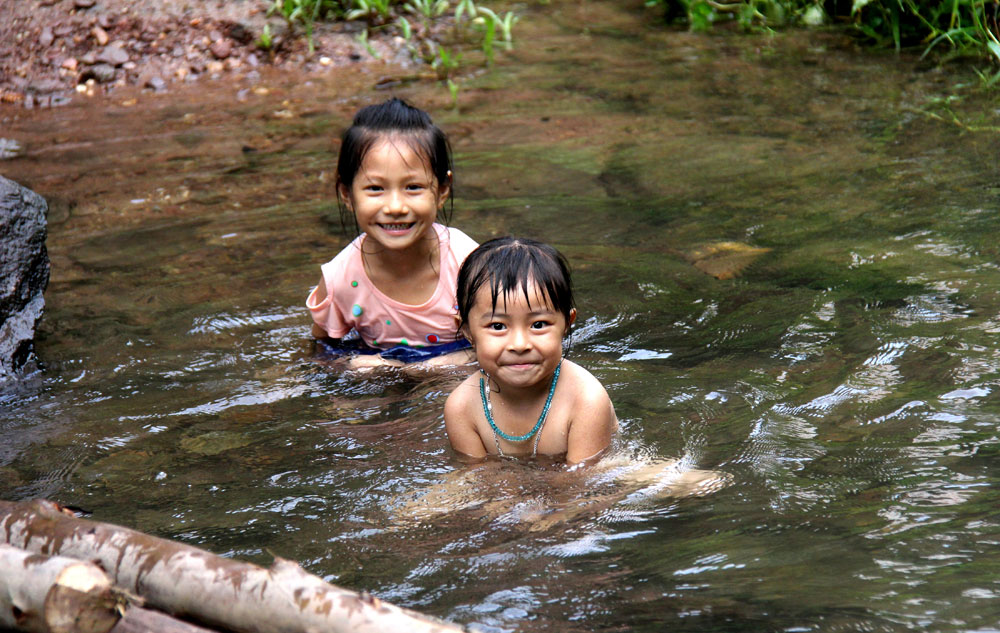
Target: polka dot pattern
356, 310
354, 284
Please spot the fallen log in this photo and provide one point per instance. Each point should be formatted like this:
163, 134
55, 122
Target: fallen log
191, 583
139, 620
54, 594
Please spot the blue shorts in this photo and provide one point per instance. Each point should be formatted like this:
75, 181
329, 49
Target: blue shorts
403, 353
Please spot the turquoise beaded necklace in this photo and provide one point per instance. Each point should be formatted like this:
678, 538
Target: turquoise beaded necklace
484, 394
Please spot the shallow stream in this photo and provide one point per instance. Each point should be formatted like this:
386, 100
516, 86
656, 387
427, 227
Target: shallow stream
784, 273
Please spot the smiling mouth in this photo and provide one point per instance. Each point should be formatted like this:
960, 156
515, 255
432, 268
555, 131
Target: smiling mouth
399, 226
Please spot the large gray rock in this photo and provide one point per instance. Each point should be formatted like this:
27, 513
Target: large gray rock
24, 272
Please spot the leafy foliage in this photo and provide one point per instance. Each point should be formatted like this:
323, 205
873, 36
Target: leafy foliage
946, 27
473, 24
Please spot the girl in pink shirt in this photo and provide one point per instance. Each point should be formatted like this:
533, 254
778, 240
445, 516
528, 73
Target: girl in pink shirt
394, 285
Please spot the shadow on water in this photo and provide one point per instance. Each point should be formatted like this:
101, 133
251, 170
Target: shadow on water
783, 275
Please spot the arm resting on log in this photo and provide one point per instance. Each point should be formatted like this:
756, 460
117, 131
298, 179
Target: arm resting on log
191, 583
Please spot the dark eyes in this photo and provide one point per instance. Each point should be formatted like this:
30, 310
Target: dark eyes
411, 188
496, 326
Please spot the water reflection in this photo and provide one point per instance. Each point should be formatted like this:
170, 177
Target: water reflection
844, 373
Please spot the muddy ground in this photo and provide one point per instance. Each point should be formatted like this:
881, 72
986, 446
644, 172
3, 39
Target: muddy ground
53, 50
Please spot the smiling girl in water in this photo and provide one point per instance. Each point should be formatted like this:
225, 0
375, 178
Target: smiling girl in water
515, 306
394, 285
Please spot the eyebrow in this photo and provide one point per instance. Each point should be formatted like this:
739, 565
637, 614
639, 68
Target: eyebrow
499, 313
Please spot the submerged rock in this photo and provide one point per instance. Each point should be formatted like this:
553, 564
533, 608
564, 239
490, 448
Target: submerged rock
24, 272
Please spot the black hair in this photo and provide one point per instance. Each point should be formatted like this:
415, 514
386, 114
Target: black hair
413, 126
509, 264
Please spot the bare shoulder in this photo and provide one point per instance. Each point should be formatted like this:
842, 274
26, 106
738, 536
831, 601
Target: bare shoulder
593, 419
588, 390
460, 418
460, 402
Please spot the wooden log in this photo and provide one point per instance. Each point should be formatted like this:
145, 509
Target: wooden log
139, 620
193, 584
54, 594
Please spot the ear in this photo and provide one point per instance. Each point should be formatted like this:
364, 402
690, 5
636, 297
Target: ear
345, 195
461, 327
444, 190
572, 317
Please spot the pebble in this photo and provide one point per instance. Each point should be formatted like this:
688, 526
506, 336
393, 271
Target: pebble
221, 49
69, 63
156, 83
9, 148
46, 38
113, 55
84, 4
103, 73
100, 35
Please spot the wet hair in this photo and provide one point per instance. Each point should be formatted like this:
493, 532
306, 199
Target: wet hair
399, 119
510, 264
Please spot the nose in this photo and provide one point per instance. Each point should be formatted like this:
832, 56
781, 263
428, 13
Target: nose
518, 340
395, 204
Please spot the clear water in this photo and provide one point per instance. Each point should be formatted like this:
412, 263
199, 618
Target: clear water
845, 374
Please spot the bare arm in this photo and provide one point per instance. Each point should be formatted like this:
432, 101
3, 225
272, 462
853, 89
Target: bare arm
460, 424
319, 294
594, 424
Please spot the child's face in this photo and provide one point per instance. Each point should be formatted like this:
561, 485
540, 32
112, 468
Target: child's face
394, 196
519, 345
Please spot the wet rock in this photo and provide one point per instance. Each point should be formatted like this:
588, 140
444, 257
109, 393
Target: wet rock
9, 148
43, 86
113, 55
100, 35
46, 38
24, 272
101, 73
157, 83
221, 49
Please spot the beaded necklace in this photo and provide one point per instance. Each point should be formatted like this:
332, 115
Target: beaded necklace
484, 394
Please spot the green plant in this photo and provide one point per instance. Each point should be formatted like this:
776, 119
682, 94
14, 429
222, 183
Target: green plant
362, 38
375, 10
446, 62
465, 7
306, 12
429, 9
489, 28
945, 27
405, 30
265, 41
505, 24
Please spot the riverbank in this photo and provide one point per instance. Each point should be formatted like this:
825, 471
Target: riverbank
52, 50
